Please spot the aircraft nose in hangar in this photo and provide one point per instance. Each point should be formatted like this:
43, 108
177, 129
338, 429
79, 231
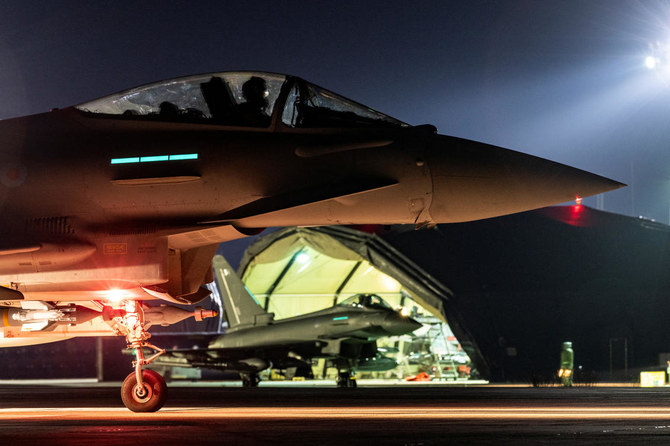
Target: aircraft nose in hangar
396, 324
473, 181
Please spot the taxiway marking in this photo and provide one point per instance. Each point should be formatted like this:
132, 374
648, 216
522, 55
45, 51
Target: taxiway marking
357, 413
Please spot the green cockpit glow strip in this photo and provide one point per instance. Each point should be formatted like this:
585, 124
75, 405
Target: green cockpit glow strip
341, 318
152, 159
187, 156
148, 159
125, 160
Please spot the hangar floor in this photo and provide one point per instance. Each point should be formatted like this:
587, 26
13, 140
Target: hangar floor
408, 415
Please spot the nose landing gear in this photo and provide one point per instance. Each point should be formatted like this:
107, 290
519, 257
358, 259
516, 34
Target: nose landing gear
346, 376
142, 390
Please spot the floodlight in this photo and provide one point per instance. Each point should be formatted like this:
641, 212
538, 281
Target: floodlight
302, 258
650, 62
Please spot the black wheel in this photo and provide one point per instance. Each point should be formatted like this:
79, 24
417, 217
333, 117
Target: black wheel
250, 379
150, 398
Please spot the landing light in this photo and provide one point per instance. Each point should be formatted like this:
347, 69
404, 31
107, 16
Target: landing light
658, 60
116, 295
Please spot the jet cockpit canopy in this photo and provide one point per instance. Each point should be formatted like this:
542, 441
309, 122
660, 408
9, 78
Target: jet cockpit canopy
240, 99
365, 301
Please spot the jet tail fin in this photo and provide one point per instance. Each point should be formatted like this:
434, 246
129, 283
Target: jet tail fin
240, 305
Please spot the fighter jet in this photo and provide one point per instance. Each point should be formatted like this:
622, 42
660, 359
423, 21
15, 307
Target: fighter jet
123, 200
345, 334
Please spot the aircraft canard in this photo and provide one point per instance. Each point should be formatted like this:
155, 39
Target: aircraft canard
124, 199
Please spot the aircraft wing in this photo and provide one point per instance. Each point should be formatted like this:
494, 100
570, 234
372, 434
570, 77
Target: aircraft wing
255, 359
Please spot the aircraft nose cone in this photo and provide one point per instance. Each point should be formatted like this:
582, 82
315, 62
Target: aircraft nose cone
396, 324
473, 181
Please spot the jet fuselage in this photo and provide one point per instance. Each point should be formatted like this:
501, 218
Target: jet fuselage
363, 324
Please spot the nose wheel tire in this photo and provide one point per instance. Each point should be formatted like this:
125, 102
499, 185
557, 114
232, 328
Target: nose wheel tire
148, 398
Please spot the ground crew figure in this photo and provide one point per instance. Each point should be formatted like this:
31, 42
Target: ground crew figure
567, 364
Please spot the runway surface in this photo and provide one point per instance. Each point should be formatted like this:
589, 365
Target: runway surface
90, 414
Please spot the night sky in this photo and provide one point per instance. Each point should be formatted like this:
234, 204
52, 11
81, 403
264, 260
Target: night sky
564, 80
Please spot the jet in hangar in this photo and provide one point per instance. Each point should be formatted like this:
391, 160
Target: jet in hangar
117, 204
345, 334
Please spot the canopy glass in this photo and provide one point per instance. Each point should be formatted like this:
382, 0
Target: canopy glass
239, 99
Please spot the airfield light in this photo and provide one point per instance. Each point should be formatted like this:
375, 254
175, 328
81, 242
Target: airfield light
650, 62
658, 60
578, 201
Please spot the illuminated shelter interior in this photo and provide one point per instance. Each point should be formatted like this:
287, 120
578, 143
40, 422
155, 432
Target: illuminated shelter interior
299, 270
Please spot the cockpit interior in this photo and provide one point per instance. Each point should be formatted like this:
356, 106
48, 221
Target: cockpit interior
239, 99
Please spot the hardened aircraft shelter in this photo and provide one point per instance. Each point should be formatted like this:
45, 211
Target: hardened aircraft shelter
299, 270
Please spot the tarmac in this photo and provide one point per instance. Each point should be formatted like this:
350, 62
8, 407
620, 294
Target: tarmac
207, 413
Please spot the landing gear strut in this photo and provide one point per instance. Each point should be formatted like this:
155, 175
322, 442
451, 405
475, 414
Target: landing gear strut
346, 379
142, 390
